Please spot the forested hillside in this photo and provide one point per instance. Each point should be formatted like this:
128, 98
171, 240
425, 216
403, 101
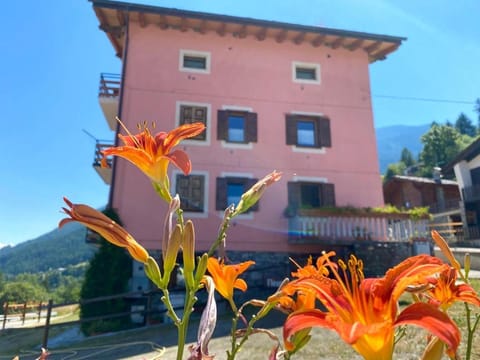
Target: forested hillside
56, 249
392, 139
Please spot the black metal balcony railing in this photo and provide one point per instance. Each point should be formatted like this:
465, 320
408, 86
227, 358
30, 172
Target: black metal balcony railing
109, 85
471, 193
100, 145
103, 166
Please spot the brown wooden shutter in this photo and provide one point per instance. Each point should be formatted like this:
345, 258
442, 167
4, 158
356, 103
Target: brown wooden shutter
249, 183
222, 125
221, 195
328, 195
291, 129
323, 134
251, 127
294, 194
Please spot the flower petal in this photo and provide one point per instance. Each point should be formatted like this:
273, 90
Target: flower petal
302, 320
181, 160
433, 320
182, 132
442, 244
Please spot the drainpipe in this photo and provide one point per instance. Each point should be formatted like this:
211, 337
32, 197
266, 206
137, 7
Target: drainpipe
437, 177
120, 108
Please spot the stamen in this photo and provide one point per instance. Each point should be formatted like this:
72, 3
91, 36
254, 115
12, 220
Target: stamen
134, 139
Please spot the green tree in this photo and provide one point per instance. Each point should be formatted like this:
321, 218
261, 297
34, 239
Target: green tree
108, 274
22, 291
465, 126
407, 157
394, 169
440, 145
476, 108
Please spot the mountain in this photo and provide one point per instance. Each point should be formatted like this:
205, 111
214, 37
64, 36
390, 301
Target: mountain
56, 249
392, 139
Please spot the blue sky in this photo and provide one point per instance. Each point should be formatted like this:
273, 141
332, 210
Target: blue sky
53, 53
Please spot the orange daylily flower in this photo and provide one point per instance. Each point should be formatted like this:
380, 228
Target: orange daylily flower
289, 298
445, 291
152, 153
106, 227
226, 278
364, 312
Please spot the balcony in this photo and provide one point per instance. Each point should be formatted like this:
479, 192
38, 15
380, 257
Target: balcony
450, 205
108, 96
318, 226
105, 172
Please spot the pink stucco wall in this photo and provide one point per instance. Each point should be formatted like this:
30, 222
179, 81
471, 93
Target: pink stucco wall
257, 75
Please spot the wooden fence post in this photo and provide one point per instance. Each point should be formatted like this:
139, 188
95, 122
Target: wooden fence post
24, 311
5, 313
39, 311
47, 324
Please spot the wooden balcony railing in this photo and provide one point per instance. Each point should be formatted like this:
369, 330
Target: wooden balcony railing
109, 85
316, 226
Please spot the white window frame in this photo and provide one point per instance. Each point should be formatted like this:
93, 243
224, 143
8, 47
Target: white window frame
194, 214
303, 149
205, 142
233, 145
249, 215
305, 65
195, 53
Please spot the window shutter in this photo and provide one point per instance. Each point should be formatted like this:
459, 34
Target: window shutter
221, 195
328, 195
294, 195
251, 127
291, 129
222, 125
249, 183
324, 138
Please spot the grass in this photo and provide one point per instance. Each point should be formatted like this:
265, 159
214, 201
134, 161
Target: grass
158, 342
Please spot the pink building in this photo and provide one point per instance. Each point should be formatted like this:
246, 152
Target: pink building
274, 96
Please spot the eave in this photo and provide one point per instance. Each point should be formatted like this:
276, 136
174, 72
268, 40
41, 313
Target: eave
113, 15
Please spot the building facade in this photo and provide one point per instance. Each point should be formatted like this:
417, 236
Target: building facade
273, 96
465, 167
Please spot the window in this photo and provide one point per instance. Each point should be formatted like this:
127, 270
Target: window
310, 195
195, 61
191, 189
237, 126
306, 72
230, 189
308, 131
191, 114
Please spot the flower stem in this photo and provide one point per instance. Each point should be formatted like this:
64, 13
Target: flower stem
222, 233
471, 330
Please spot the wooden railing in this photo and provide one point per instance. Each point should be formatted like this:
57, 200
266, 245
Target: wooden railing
109, 85
315, 226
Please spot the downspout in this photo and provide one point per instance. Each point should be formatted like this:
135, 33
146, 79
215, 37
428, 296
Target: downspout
120, 108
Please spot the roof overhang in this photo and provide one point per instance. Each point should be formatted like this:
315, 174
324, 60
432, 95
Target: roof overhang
113, 16
467, 154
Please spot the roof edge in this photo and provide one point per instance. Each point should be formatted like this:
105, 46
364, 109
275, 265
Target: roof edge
126, 6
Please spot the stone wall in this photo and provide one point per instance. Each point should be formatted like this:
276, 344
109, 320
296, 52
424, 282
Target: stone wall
378, 257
